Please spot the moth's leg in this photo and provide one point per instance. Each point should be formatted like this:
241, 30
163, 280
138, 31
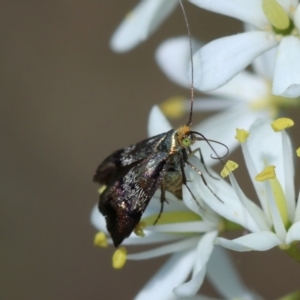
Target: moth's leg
162, 201
184, 180
203, 178
202, 161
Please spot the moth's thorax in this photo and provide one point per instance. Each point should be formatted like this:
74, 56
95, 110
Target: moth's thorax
180, 137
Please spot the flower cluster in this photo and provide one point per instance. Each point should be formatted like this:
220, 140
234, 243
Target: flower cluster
248, 105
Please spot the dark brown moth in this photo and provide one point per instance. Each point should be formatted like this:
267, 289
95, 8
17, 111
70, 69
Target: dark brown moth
130, 176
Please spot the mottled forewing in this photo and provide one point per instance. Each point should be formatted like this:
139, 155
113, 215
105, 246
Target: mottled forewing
121, 161
124, 202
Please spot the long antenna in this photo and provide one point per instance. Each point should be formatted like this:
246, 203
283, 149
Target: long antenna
192, 63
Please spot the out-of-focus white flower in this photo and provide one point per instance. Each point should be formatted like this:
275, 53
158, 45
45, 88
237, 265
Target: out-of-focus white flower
274, 24
140, 23
242, 100
188, 230
269, 159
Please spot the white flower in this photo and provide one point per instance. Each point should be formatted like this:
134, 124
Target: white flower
242, 100
275, 24
140, 23
188, 232
269, 159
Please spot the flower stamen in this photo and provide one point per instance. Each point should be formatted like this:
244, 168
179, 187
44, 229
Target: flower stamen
228, 168
174, 107
119, 258
100, 240
266, 174
281, 124
241, 135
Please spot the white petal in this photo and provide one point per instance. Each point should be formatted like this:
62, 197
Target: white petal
259, 241
186, 227
289, 173
255, 212
173, 273
179, 246
221, 127
230, 207
204, 250
286, 75
244, 87
222, 273
173, 57
264, 64
157, 122
204, 104
293, 233
297, 17
279, 227
140, 23
246, 11
288, 5
220, 60
265, 148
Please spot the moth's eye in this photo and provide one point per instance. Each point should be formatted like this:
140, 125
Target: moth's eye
186, 142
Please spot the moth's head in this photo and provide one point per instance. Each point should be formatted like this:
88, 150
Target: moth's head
185, 137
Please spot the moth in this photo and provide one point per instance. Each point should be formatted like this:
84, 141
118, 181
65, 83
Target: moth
129, 177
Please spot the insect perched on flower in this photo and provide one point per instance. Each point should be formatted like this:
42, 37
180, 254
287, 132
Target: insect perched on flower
130, 176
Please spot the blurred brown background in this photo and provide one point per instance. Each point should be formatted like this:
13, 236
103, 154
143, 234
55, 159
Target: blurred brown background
66, 102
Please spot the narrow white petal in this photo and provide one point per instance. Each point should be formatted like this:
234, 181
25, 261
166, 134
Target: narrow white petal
181, 245
221, 127
254, 211
204, 104
157, 122
246, 11
230, 207
196, 226
174, 272
289, 173
259, 241
293, 233
275, 214
286, 75
297, 212
140, 23
204, 250
220, 60
222, 273
288, 5
265, 147
297, 17
173, 56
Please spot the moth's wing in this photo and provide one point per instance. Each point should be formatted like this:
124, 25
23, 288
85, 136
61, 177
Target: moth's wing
124, 202
121, 161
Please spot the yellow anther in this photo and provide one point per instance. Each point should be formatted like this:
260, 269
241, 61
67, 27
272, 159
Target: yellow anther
102, 189
275, 14
100, 240
139, 229
119, 258
298, 152
228, 168
242, 135
267, 173
174, 107
282, 123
